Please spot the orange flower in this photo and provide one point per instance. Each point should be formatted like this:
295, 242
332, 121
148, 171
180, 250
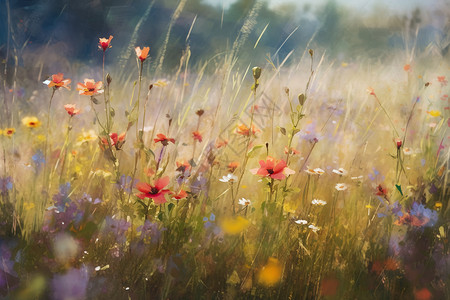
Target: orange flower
407, 67
142, 54
220, 144
180, 195
197, 136
71, 109
104, 43
232, 166
90, 87
163, 139
58, 81
183, 165
273, 168
244, 130
290, 151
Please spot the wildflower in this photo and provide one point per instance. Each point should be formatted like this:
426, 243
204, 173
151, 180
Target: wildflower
381, 191
115, 140
301, 222
244, 202
232, 166
407, 67
163, 139
341, 187
270, 274
398, 143
314, 228
407, 151
310, 171
319, 171
221, 144
86, 137
371, 91
183, 166
142, 54
180, 195
104, 43
197, 136
90, 87
273, 168
161, 83
6, 184
229, 178
155, 192
236, 225
9, 132
31, 122
318, 202
434, 113
71, 109
290, 151
442, 80
245, 131
58, 81
340, 171
419, 216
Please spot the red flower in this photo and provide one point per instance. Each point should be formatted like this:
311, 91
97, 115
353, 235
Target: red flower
180, 195
398, 142
142, 54
273, 168
155, 192
197, 136
90, 87
104, 43
71, 109
163, 139
58, 81
381, 191
115, 140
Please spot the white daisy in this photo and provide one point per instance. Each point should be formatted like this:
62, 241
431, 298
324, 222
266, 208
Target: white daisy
229, 178
341, 186
340, 171
314, 228
301, 222
244, 202
319, 202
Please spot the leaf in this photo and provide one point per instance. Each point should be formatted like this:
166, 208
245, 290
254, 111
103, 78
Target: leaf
170, 206
253, 150
301, 99
95, 100
399, 188
112, 112
283, 130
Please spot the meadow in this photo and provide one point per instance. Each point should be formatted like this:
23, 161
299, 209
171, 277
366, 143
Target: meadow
306, 178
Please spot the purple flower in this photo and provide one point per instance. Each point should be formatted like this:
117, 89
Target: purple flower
125, 184
424, 214
71, 285
6, 184
199, 185
117, 227
150, 231
38, 159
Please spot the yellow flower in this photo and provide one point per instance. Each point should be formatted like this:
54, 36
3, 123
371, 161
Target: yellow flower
270, 274
234, 225
31, 122
9, 132
434, 113
86, 137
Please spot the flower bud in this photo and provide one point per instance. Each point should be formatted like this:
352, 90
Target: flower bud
256, 72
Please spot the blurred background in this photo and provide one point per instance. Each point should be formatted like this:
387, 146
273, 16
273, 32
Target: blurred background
46, 36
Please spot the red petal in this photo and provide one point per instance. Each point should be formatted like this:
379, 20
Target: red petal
144, 187
162, 182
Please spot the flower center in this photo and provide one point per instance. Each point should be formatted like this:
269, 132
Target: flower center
270, 171
154, 191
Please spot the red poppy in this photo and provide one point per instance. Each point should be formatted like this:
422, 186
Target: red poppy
163, 139
58, 81
381, 191
197, 136
104, 43
273, 168
71, 109
155, 192
142, 54
90, 87
442, 80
